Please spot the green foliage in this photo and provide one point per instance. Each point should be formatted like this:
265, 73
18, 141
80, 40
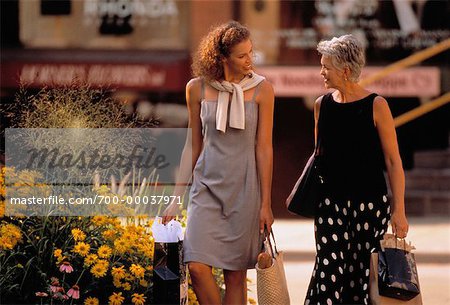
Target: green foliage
73, 106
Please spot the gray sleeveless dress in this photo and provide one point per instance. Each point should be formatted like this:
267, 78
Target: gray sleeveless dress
223, 212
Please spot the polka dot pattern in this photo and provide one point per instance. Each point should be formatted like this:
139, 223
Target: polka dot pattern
346, 232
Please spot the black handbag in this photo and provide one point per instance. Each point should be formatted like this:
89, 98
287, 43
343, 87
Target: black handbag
305, 195
397, 274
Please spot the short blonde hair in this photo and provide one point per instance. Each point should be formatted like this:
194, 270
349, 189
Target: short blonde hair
215, 46
344, 51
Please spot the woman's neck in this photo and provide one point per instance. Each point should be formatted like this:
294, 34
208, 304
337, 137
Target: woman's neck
231, 77
349, 93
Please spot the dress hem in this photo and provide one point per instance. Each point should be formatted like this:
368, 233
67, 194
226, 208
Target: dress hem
213, 262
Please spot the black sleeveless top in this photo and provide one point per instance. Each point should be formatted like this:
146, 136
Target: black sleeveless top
352, 158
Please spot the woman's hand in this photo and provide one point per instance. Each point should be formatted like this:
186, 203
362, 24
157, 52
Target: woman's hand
399, 224
265, 219
170, 212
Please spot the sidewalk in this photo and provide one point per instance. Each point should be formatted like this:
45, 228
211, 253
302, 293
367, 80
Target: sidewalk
431, 237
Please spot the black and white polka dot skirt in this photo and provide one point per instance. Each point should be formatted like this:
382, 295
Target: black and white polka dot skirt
347, 232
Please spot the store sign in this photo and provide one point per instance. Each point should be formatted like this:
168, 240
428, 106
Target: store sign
133, 76
124, 75
306, 81
389, 29
118, 12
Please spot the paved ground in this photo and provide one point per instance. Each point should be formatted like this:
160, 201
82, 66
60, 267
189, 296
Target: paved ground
431, 236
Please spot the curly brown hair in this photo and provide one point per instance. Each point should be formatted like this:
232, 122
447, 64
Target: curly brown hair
215, 46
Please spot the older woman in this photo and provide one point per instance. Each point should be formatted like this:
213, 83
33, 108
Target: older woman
231, 116
357, 140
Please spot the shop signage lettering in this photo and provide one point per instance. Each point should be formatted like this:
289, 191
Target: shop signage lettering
122, 75
124, 8
306, 81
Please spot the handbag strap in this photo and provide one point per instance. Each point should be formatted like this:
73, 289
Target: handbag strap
274, 246
317, 148
397, 239
402, 240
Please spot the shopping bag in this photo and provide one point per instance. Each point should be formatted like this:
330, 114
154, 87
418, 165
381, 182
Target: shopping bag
393, 275
170, 285
271, 285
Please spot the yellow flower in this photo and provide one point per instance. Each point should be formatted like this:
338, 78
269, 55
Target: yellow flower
117, 283
138, 299
137, 270
109, 234
57, 253
82, 248
2, 184
102, 190
91, 301
5, 243
116, 223
139, 230
116, 299
121, 245
126, 286
118, 272
10, 236
146, 249
192, 297
78, 235
103, 263
130, 237
104, 251
60, 259
99, 270
12, 231
143, 283
130, 277
2, 208
99, 220
90, 259
150, 222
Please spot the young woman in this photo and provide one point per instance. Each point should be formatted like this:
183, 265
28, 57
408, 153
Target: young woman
231, 117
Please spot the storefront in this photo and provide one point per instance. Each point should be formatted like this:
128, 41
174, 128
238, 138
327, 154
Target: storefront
138, 49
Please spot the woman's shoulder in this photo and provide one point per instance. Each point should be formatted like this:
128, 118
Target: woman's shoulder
321, 99
266, 87
381, 110
379, 100
266, 93
194, 89
194, 84
379, 103
317, 104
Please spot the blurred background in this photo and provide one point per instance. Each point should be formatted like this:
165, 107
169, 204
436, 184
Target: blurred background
142, 49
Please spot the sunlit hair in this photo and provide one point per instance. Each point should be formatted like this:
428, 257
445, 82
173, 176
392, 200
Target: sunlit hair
344, 51
215, 46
